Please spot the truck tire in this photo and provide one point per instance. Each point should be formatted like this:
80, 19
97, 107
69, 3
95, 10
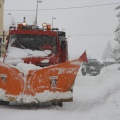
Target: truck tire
83, 72
4, 102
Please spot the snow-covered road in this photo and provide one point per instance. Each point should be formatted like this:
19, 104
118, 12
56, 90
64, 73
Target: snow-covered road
95, 98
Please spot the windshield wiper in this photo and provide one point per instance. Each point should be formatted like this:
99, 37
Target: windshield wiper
21, 46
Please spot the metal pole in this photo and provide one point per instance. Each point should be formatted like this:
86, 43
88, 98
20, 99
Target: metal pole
3, 36
37, 12
52, 21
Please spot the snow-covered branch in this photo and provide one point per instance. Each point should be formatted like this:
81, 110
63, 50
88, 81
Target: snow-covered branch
118, 7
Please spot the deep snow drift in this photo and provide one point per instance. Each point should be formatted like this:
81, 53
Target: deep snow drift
95, 98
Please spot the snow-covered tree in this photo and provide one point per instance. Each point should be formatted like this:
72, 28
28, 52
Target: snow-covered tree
108, 52
116, 52
116, 49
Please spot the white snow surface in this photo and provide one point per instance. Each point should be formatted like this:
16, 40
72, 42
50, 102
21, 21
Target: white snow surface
95, 98
13, 52
24, 67
13, 57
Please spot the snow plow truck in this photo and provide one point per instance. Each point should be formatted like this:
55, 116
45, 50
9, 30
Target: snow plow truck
36, 69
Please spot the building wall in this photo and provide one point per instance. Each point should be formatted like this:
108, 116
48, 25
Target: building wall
1, 17
1, 27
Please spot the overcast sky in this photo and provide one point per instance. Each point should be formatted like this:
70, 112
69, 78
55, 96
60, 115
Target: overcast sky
87, 28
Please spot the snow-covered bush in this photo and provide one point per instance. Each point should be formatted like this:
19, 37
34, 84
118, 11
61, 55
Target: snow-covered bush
108, 52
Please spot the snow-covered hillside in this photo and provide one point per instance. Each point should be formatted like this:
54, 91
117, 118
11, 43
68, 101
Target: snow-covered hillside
95, 98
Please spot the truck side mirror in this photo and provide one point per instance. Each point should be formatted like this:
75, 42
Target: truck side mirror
63, 45
7, 37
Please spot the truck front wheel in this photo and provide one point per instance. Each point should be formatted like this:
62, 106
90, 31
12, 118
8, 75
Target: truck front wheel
83, 72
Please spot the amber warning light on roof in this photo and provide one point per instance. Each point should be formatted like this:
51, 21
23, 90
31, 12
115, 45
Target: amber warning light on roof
46, 26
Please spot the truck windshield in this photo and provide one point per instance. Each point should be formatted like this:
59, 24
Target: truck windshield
34, 42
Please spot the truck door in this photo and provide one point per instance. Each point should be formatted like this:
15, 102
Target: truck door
63, 47
64, 53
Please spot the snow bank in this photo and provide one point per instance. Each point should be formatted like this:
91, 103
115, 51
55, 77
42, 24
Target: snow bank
96, 88
97, 97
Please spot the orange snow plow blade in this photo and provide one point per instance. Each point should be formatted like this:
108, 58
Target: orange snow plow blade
11, 82
54, 83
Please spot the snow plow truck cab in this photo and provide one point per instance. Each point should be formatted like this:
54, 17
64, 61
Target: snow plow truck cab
39, 46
